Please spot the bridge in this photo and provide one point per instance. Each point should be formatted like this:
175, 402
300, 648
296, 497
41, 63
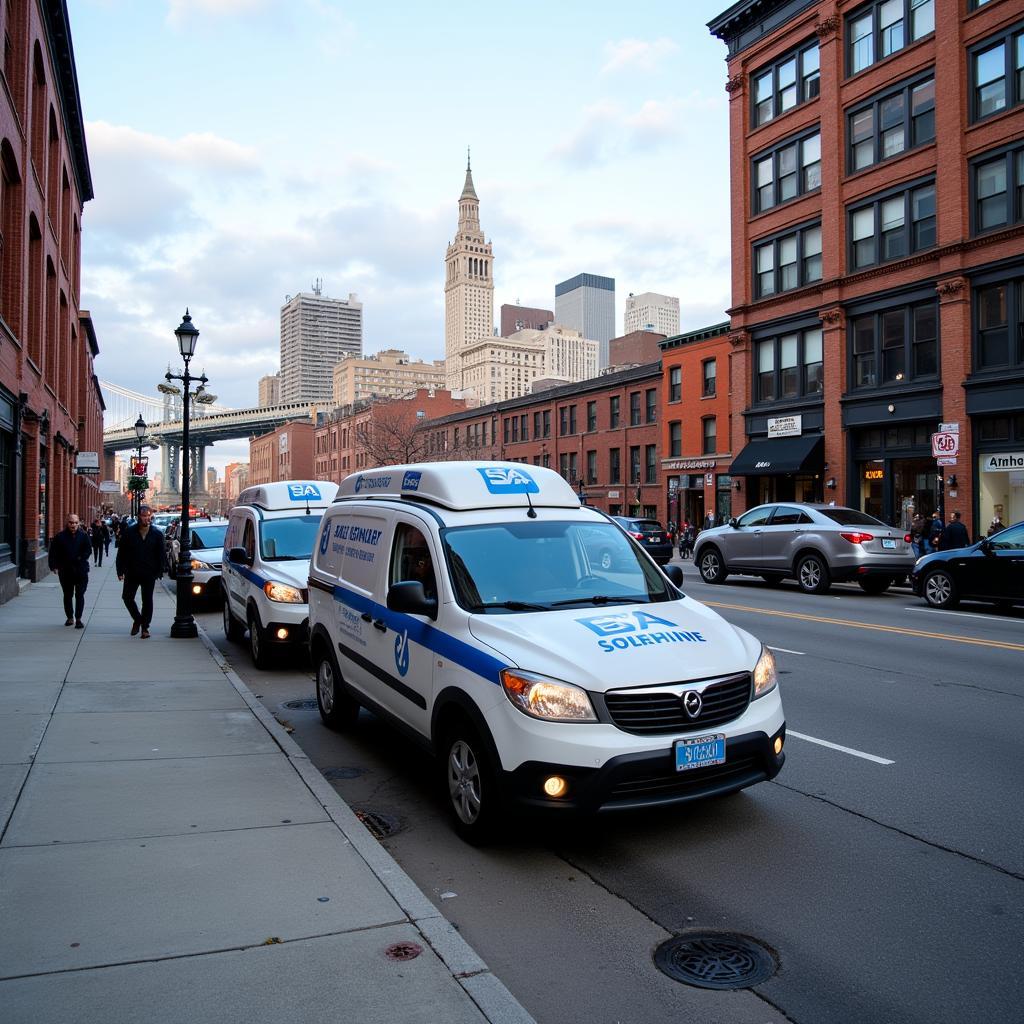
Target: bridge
164, 428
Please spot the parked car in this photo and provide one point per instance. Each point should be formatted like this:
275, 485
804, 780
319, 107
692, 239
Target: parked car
991, 570
650, 535
817, 545
206, 546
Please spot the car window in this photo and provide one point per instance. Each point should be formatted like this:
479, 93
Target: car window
648, 527
249, 540
785, 515
850, 517
755, 517
288, 539
209, 537
1009, 540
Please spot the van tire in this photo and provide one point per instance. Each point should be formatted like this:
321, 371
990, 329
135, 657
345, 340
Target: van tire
338, 709
233, 629
470, 785
259, 647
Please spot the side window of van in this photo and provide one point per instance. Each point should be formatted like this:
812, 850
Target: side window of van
410, 559
249, 540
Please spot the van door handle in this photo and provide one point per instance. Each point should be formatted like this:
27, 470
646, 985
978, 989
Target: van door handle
366, 617
380, 624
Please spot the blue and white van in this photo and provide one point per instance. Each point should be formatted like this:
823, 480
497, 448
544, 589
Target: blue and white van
271, 533
469, 603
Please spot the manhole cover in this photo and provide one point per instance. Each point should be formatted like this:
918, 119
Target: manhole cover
300, 705
718, 960
403, 951
380, 825
343, 773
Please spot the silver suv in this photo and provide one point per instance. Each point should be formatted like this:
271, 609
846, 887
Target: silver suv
816, 544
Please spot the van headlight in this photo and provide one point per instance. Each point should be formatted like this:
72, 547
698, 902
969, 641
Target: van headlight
549, 699
282, 593
199, 566
765, 676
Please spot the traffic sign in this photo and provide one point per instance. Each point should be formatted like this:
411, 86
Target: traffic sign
945, 444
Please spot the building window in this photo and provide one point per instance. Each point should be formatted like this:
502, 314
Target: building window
651, 464
892, 227
790, 81
634, 464
710, 377
675, 439
997, 74
591, 416
885, 27
891, 124
634, 409
787, 171
614, 466
524, 434
998, 185
536, 424
789, 366
895, 345
710, 424
591, 467
613, 411
547, 422
997, 308
652, 405
787, 261
675, 383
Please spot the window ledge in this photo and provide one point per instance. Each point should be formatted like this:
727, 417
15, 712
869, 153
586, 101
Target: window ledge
995, 118
810, 194
901, 52
888, 161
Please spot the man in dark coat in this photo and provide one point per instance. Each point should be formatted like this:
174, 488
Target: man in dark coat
69, 558
935, 531
140, 563
955, 535
100, 536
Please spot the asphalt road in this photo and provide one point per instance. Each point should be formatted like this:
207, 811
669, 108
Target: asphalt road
884, 866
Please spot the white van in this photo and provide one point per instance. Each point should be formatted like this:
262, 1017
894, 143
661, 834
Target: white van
270, 535
466, 603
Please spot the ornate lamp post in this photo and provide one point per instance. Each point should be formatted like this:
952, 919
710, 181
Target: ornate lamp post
140, 433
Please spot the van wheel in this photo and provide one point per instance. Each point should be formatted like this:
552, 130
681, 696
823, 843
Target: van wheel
232, 627
875, 584
712, 568
812, 575
258, 646
470, 784
337, 708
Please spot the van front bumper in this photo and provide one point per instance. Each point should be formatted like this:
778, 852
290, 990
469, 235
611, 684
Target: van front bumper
648, 779
296, 632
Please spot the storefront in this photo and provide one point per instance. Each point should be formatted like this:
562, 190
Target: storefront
782, 468
999, 446
896, 476
696, 492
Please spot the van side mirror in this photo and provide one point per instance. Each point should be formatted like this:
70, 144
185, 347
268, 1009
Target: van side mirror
239, 555
734, 523
674, 573
410, 598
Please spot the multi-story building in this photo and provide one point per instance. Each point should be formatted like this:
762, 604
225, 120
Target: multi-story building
270, 390
50, 404
317, 332
499, 368
650, 311
523, 318
236, 479
586, 303
635, 347
283, 454
878, 253
388, 374
468, 287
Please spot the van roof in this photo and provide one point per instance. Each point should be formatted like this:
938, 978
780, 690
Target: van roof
289, 494
464, 485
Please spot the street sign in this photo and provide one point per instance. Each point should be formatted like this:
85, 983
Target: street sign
949, 428
945, 444
946, 460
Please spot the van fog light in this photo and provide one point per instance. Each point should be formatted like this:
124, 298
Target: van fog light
282, 634
778, 744
556, 786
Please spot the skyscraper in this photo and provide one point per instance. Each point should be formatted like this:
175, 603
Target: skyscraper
468, 287
317, 332
650, 311
586, 302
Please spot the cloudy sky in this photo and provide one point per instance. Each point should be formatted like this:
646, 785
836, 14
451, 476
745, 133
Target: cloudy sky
241, 149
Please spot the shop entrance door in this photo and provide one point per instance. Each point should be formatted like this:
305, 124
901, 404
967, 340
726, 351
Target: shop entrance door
915, 485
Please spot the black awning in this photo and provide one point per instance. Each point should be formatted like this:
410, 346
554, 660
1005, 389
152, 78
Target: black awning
773, 456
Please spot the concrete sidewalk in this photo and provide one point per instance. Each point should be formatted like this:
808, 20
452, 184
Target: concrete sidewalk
168, 853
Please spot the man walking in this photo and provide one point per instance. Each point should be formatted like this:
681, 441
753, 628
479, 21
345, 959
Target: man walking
955, 535
100, 536
140, 563
69, 558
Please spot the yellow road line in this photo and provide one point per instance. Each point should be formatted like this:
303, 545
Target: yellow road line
868, 625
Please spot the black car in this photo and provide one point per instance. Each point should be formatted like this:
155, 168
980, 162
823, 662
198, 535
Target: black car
650, 535
991, 570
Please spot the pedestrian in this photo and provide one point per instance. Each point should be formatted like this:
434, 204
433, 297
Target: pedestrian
140, 563
671, 531
995, 526
935, 532
686, 540
916, 534
709, 520
955, 535
100, 536
69, 558
106, 538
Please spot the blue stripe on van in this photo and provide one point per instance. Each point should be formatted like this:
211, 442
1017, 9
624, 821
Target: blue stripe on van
443, 644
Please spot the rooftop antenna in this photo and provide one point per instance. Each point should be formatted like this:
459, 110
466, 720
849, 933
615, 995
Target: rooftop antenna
318, 286
532, 514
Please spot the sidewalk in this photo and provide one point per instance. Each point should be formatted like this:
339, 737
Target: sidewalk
168, 853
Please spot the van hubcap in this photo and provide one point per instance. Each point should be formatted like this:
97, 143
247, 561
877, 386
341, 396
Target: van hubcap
937, 588
325, 686
464, 781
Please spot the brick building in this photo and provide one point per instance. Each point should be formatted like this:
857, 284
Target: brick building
635, 347
522, 318
878, 252
284, 454
695, 425
50, 406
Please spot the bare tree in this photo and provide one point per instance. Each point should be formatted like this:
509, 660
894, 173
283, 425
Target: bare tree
392, 434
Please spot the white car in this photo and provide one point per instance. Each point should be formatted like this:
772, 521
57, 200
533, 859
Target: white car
206, 548
468, 603
270, 534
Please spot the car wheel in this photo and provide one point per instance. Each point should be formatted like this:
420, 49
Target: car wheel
940, 589
470, 783
337, 708
605, 560
233, 629
812, 575
711, 566
258, 646
875, 584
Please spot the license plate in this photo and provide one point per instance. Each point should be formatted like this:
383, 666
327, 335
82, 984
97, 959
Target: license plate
700, 752
889, 544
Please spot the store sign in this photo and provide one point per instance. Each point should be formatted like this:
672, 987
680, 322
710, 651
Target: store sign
785, 426
613, 494
945, 444
87, 460
1003, 462
874, 474
690, 464
110, 487
709, 479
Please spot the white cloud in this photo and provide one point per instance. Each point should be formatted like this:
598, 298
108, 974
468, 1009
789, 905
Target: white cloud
628, 54
196, 150
179, 11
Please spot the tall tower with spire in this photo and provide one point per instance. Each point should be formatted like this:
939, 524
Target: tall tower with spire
468, 286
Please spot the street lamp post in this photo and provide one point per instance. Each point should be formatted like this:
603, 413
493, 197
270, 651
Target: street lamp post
184, 624
140, 433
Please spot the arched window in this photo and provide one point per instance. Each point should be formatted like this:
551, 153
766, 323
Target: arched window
15, 53
38, 113
34, 305
65, 221
65, 356
11, 238
53, 173
50, 326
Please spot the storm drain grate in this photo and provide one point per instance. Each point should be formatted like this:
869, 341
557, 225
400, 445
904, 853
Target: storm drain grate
343, 773
300, 705
719, 960
380, 825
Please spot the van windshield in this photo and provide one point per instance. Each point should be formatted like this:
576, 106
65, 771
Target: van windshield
286, 539
539, 566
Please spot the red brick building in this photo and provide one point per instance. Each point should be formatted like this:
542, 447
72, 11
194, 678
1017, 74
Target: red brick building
878, 252
635, 347
284, 454
50, 407
695, 425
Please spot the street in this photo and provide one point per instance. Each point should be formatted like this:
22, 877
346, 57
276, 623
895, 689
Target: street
883, 866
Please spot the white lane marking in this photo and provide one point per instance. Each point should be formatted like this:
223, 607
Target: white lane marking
969, 615
836, 746
785, 650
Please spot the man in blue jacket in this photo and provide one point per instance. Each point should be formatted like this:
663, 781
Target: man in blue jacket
69, 558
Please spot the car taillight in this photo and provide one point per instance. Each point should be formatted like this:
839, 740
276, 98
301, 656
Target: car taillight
857, 538
906, 538
637, 536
